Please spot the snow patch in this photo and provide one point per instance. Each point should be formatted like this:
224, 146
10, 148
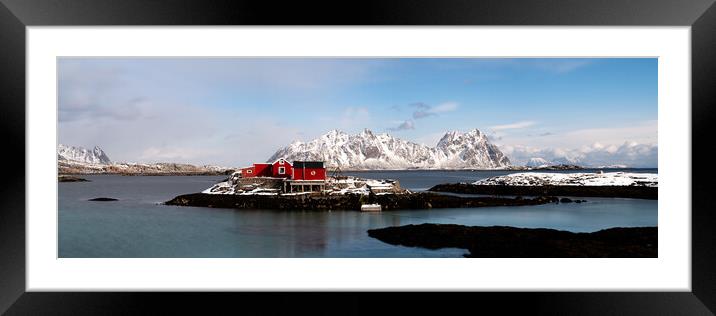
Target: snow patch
82, 155
574, 179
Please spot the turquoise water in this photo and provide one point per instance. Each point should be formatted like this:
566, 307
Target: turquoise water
138, 226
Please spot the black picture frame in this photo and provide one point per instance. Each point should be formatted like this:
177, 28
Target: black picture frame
16, 15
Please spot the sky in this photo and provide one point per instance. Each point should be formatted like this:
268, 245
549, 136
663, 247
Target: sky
235, 111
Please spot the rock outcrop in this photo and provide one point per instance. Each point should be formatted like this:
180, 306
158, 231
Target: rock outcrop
512, 242
348, 201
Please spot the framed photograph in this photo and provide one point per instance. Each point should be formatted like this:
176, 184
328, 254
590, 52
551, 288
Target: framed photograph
507, 147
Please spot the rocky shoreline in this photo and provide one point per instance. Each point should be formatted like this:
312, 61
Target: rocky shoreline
549, 167
150, 174
135, 169
70, 178
349, 201
513, 242
635, 192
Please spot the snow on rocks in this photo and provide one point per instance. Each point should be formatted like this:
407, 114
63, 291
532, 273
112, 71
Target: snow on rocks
342, 186
82, 155
352, 185
574, 179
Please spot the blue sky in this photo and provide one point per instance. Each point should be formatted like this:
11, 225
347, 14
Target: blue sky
232, 111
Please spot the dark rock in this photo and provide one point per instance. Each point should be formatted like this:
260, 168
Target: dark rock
512, 242
71, 179
565, 200
422, 200
635, 192
103, 199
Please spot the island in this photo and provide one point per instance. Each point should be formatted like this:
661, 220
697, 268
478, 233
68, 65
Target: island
547, 167
349, 201
613, 184
513, 242
70, 178
304, 185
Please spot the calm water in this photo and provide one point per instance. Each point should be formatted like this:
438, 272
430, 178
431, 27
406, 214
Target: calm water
138, 226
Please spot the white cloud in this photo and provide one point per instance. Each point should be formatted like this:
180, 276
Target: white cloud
445, 107
640, 132
644, 132
516, 125
160, 127
174, 154
629, 153
351, 117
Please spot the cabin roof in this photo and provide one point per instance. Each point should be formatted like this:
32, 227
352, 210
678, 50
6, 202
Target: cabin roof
308, 164
286, 161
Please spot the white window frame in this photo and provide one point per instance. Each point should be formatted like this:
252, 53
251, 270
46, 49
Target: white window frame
281, 170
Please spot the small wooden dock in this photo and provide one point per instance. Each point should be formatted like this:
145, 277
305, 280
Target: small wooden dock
370, 208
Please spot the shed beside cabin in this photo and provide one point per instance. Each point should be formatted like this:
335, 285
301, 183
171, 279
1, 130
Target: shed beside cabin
309, 170
257, 170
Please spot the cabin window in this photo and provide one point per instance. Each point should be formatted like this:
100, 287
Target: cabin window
313, 172
281, 170
249, 171
280, 161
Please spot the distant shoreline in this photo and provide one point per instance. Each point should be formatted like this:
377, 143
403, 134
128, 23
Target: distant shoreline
144, 174
633, 192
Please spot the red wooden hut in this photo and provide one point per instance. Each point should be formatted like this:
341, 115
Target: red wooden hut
308, 170
257, 170
281, 169
296, 171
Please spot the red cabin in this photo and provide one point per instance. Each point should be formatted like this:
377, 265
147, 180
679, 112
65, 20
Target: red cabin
308, 170
257, 170
281, 169
298, 170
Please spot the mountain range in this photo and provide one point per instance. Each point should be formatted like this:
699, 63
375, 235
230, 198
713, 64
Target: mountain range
82, 155
80, 160
367, 150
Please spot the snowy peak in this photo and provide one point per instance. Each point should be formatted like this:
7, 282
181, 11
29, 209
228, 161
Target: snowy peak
537, 162
367, 150
457, 138
448, 138
83, 155
100, 155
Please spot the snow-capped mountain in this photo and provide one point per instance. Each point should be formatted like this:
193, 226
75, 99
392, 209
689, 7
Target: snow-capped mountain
537, 162
79, 160
367, 150
83, 155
